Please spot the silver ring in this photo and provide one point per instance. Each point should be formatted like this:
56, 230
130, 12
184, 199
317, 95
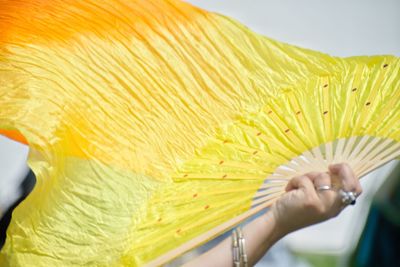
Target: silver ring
348, 198
324, 187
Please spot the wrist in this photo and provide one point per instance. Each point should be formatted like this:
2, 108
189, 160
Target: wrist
278, 230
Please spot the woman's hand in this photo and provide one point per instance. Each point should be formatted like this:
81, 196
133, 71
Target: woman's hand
304, 205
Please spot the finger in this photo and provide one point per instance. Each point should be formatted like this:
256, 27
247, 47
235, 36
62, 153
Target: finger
301, 182
322, 179
329, 197
344, 175
312, 175
294, 183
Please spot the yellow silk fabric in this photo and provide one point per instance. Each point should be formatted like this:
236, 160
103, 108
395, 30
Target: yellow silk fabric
151, 122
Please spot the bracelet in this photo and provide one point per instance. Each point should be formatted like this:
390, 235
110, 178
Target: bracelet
235, 249
239, 249
242, 247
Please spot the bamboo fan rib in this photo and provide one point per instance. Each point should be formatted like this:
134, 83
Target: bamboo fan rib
307, 128
155, 126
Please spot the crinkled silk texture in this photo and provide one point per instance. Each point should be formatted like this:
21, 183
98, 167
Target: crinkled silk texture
151, 122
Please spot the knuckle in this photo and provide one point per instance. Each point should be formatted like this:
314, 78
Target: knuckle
312, 174
309, 203
315, 206
324, 176
341, 166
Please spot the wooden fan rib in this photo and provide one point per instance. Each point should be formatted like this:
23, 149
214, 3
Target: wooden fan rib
314, 164
381, 159
387, 119
264, 199
328, 152
356, 161
338, 156
372, 155
206, 236
266, 138
326, 109
318, 155
293, 165
282, 125
268, 192
219, 176
300, 118
369, 93
283, 172
267, 185
349, 100
349, 145
359, 146
380, 163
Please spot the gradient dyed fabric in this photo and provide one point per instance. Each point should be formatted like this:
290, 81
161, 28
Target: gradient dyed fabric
150, 122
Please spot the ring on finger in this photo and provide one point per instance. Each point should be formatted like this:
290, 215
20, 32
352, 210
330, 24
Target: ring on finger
324, 188
348, 197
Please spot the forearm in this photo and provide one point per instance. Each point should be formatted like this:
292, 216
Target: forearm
260, 235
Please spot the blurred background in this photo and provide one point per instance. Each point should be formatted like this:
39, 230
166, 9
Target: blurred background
365, 235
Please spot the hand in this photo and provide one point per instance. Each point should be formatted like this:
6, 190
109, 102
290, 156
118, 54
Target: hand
301, 206
304, 205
